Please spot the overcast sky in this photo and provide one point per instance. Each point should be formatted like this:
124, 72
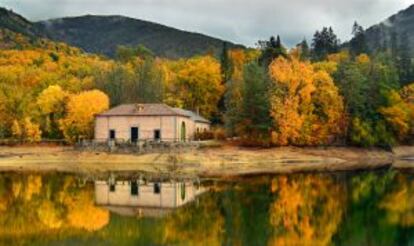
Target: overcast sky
240, 21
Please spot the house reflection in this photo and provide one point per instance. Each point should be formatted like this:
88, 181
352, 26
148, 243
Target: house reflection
146, 199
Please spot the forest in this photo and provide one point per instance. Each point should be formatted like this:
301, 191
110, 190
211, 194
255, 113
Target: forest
325, 93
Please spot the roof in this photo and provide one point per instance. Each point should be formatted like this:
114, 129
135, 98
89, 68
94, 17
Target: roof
194, 116
145, 109
152, 109
139, 211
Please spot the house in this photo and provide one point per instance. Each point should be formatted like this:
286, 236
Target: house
159, 122
135, 197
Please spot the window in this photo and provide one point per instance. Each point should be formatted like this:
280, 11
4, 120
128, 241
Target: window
112, 135
157, 188
134, 188
157, 134
112, 187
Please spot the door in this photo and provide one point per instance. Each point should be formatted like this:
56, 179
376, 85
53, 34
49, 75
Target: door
157, 135
134, 134
112, 135
183, 134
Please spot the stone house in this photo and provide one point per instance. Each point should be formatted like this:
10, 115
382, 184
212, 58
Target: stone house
160, 122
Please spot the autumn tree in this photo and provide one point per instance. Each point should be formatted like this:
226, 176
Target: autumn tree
51, 103
195, 84
305, 104
81, 109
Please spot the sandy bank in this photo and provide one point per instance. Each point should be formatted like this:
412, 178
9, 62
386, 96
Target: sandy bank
223, 161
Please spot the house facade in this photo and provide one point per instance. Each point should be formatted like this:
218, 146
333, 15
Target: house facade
134, 122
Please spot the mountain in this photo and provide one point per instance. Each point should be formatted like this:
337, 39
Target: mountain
400, 26
17, 23
102, 34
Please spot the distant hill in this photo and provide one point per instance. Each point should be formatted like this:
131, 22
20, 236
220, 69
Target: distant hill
102, 34
379, 36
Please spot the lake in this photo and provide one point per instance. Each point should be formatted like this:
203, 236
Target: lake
347, 208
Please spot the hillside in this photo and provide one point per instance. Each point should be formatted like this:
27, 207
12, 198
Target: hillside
380, 35
102, 34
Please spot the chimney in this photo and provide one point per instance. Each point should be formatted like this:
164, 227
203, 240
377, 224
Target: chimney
139, 107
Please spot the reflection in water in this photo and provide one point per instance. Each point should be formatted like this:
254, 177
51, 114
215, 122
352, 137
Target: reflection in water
138, 197
365, 208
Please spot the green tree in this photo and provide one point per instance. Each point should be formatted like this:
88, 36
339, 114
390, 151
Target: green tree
324, 42
256, 124
358, 44
271, 50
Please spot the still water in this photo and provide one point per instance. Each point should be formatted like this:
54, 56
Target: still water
348, 208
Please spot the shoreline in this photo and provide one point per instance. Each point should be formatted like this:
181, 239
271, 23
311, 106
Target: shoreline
226, 161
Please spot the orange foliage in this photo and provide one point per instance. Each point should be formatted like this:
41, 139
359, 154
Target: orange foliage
306, 106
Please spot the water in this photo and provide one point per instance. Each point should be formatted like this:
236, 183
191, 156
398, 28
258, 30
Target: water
348, 208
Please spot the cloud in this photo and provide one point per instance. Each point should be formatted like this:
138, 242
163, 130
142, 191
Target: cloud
241, 21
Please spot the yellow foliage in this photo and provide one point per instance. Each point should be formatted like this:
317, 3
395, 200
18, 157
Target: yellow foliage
399, 204
32, 131
81, 110
16, 130
297, 214
396, 114
338, 57
363, 59
196, 84
51, 99
33, 186
302, 114
327, 66
49, 215
82, 212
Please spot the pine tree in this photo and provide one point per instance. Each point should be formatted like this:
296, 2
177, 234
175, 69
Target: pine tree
405, 69
358, 43
304, 50
271, 50
324, 42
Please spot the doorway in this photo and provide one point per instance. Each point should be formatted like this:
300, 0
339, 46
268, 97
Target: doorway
157, 135
134, 134
183, 134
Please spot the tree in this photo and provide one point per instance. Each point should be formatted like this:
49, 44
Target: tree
303, 47
271, 50
324, 42
148, 82
195, 84
127, 54
116, 83
255, 108
405, 66
32, 131
81, 109
226, 72
51, 103
358, 43
306, 107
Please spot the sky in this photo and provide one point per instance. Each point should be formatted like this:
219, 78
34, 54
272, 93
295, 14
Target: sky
240, 21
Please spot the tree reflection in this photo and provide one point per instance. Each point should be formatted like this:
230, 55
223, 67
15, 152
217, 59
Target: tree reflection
33, 204
307, 210
399, 203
